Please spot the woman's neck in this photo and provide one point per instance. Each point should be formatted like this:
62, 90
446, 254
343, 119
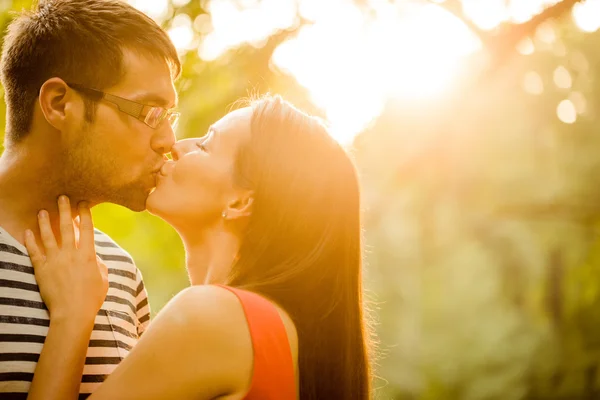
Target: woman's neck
210, 255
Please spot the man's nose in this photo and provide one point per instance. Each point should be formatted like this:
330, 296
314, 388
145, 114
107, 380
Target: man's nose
164, 139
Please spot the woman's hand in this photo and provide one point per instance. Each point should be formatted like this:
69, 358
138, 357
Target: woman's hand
73, 282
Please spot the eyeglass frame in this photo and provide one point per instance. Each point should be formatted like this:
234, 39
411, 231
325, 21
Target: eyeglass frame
129, 107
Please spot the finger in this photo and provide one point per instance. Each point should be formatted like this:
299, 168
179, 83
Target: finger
76, 223
48, 239
103, 271
37, 258
101, 265
86, 228
66, 222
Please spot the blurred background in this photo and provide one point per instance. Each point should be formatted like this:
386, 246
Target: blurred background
473, 124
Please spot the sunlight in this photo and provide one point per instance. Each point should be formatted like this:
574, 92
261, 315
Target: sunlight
424, 67
350, 61
155, 9
254, 23
488, 14
357, 62
587, 15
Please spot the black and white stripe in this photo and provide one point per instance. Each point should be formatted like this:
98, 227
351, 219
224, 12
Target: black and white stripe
24, 318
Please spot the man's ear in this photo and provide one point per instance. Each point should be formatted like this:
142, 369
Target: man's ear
54, 99
241, 206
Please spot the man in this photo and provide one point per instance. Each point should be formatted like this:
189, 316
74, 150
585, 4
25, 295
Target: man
89, 92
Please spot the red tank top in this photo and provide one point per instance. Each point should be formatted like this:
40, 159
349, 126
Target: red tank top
273, 369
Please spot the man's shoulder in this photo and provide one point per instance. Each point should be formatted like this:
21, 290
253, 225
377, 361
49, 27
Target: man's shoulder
113, 254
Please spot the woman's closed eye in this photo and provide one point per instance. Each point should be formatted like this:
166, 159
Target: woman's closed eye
204, 141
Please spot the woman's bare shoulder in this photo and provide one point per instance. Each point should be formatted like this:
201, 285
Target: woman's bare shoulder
200, 340
212, 312
219, 310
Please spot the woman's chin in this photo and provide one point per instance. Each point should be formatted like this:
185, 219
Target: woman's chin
153, 203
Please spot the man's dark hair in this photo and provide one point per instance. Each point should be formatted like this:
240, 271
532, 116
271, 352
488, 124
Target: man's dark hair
79, 41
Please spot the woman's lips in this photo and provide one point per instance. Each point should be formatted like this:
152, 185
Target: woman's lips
166, 168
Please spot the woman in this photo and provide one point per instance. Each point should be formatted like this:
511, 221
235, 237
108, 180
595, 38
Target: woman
267, 206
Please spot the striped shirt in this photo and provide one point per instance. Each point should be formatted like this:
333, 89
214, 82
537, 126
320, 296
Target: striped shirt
24, 318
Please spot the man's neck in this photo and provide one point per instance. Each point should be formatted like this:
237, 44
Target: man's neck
30, 180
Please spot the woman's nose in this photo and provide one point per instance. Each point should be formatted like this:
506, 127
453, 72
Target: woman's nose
178, 150
182, 147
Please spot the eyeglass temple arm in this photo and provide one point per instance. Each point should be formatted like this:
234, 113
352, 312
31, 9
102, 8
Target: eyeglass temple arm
127, 106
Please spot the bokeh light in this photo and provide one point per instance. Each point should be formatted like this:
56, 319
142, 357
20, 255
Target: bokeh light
562, 77
587, 15
181, 32
532, 83
566, 111
526, 46
156, 9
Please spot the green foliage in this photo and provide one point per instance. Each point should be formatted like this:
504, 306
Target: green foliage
485, 212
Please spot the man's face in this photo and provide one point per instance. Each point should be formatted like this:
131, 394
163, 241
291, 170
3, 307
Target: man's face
116, 157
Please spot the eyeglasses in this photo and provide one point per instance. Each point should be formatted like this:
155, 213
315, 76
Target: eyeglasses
153, 117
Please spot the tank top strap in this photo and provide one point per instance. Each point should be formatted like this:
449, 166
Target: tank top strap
273, 368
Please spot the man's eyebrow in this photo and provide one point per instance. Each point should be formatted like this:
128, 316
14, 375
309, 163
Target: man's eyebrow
157, 99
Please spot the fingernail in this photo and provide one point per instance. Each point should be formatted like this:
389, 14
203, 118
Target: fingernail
62, 199
43, 214
28, 233
83, 204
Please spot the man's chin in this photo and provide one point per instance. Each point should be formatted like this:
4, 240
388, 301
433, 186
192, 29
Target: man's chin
137, 207
135, 202
139, 203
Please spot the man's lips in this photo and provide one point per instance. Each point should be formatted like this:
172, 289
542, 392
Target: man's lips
156, 173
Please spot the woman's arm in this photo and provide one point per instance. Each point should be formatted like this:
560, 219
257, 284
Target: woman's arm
73, 284
198, 347
59, 369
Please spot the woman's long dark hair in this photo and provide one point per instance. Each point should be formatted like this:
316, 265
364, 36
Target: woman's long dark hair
302, 245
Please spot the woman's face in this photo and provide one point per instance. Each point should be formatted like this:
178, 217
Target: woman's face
196, 187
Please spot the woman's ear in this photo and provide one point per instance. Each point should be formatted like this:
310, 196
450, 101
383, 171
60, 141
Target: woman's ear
54, 98
241, 206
